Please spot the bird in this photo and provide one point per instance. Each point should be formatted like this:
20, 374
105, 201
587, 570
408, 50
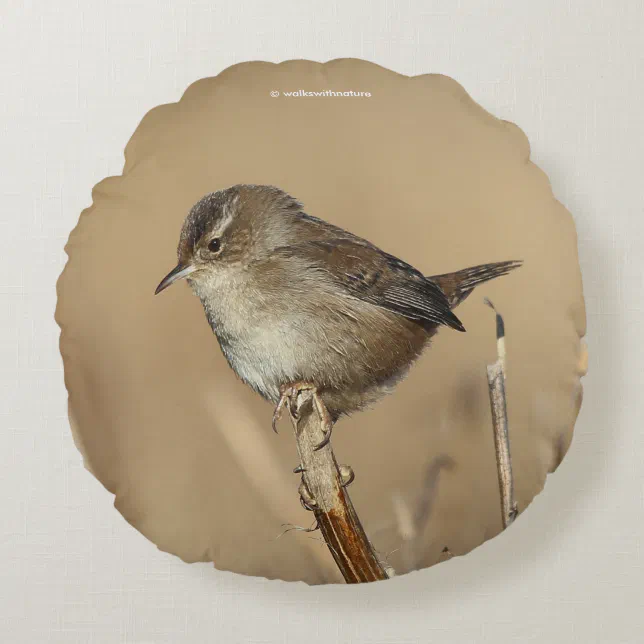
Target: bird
297, 303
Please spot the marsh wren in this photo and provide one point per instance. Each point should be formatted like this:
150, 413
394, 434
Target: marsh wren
298, 303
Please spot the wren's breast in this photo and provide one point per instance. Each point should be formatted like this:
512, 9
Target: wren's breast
256, 358
257, 343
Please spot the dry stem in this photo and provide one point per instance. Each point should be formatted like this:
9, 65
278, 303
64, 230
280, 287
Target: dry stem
496, 384
324, 491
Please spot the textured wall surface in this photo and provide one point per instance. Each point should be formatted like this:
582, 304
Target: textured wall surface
75, 82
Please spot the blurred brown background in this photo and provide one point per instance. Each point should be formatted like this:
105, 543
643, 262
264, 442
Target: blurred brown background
419, 169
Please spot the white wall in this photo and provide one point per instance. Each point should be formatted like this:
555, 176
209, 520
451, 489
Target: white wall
74, 82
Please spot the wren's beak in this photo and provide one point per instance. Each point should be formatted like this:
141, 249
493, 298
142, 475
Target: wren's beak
177, 273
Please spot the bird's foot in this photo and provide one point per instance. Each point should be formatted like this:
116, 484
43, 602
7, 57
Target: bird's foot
288, 399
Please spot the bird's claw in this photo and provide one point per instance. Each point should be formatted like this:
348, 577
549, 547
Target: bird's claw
277, 414
324, 442
288, 399
325, 418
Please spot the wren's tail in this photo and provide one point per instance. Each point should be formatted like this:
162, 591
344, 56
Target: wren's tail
457, 286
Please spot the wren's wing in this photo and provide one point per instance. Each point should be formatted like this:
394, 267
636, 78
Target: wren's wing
369, 274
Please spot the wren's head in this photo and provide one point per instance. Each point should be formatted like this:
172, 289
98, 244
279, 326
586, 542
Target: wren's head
228, 229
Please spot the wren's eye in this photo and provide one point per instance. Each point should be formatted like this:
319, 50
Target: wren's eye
214, 245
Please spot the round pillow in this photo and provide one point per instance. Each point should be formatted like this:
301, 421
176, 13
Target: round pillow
416, 167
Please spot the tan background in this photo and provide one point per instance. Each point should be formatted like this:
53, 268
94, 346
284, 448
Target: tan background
77, 79
419, 169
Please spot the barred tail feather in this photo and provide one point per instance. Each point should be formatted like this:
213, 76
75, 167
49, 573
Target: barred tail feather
457, 286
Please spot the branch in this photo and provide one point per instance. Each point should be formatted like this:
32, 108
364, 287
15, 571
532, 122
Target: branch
496, 384
323, 491
247, 441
